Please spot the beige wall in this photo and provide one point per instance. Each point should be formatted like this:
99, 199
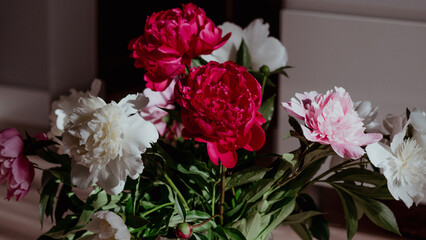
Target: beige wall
381, 59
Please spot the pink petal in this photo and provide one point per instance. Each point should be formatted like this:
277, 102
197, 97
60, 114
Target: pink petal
213, 152
257, 138
347, 151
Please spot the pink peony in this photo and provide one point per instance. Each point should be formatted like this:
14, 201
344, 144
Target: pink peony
15, 168
331, 119
154, 112
220, 105
171, 38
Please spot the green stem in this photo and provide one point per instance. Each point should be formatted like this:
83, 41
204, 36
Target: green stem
213, 199
264, 83
156, 208
173, 186
204, 222
222, 193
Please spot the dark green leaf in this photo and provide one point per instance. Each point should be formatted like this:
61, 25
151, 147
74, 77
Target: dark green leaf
267, 108
234, 234
220, 232
358, 175
300, 217
302, 231
245, 176
200, 236
180, 208
243, 55
47, 196
197, 62
350, 211
135, 221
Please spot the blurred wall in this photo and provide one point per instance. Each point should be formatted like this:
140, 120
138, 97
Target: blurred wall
375, 49
46, 47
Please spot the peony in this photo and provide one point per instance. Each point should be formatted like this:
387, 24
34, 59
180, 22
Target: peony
404, 166
108, 225
331, 119
220, 105
154, 112
62, 107
263, 50
15, 168
171, 38
394, 124
366, 111
106, 141
418, 121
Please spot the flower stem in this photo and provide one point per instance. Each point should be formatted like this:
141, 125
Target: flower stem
222, 193
204, 222
173, 186
156, 208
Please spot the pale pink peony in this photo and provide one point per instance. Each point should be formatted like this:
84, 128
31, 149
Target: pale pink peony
154, 112
15, 168
331, 119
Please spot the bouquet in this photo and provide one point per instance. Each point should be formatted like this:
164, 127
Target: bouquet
184, 158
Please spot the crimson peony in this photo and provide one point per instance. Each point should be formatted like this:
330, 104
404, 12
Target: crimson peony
220, 105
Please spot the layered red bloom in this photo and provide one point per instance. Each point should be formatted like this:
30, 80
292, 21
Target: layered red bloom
171, 38
220, 105
15, 168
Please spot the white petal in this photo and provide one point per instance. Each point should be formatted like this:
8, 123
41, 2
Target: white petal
112, 178
133, 103
378, 154
272, 54
256, 33
81, 176
418, 120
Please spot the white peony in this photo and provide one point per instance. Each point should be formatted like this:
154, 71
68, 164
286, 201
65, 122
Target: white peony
263, 50
366, 111
106, 141
404, 165
418, 121
62, 107
108, 225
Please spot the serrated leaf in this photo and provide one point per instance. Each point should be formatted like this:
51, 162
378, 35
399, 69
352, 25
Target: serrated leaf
267, 108
245, 176
243, 55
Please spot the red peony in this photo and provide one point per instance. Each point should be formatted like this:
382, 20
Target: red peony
170, 40
220, 105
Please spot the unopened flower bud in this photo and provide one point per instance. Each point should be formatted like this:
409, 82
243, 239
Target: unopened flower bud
265, 70
184, 230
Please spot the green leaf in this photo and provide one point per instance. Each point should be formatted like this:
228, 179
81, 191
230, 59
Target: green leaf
197, 62
47, 196
247, 175
350, 212
258, 189
136, 221
279, 216
234, 234
381, 192
300, 217
180, 208
302, 231
199, 236
220, 232
267, 108
358, 175
243, 55
291, 160
376, 211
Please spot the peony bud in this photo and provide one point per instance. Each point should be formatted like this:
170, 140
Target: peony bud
184, 230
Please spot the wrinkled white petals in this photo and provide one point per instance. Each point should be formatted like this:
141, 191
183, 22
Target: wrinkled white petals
106, 141
368, 114
108, 225
404, 167
264, 50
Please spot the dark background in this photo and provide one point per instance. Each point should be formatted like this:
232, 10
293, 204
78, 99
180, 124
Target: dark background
120, 21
